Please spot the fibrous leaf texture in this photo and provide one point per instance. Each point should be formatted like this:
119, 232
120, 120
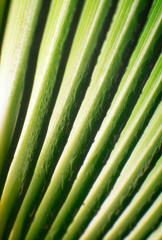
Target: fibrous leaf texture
85, 163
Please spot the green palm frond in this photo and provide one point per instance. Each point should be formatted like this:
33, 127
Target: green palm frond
86, 162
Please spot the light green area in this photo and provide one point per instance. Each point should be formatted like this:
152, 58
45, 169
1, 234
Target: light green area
21, 23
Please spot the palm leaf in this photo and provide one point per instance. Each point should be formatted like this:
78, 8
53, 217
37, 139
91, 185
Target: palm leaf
97, 172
